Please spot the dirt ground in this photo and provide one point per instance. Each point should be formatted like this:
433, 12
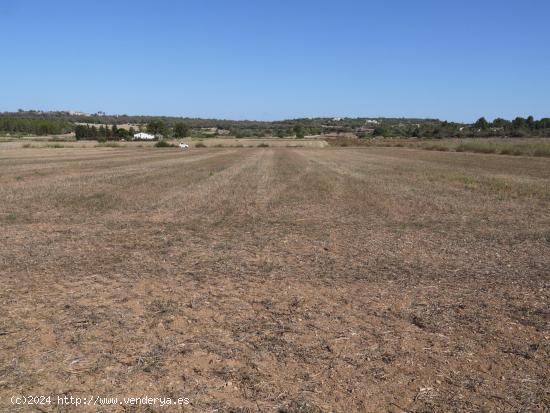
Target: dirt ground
251, 142
275, 279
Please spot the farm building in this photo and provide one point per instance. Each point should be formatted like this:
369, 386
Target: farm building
143, 136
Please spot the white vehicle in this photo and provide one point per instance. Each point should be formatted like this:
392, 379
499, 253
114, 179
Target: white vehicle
184, 146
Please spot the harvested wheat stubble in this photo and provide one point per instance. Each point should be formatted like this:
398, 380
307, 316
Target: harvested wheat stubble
297, 280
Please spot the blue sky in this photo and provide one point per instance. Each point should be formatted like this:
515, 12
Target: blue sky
454, 60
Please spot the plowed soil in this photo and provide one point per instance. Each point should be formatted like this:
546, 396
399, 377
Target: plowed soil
277, 279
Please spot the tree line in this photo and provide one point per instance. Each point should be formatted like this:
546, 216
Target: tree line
518, 127
154, 127
102, 132
482, 128
15, 125
46, 123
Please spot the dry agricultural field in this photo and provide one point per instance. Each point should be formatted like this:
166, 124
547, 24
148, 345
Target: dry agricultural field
276, 279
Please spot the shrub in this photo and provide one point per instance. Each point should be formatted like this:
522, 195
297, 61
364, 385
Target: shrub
519, 133
299, 131
181, 130
379, 131
200, 145
163, 144
507, 151
542, 150
263, 145
480, 147
436, 147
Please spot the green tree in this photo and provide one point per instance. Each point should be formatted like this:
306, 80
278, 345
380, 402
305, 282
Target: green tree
518, 123
379, 131
544, 123
482, 124
157, 127
122, 133
81, 132
299, 131
181, 130
500, 123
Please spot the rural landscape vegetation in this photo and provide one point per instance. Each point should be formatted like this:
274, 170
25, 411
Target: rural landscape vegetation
275, 206
499, 136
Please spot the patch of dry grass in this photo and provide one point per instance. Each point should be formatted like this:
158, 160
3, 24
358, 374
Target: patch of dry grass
506, 148
509, 146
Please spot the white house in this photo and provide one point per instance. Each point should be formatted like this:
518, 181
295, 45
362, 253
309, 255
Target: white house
142, 136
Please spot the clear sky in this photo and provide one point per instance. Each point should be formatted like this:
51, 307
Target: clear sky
455, 60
